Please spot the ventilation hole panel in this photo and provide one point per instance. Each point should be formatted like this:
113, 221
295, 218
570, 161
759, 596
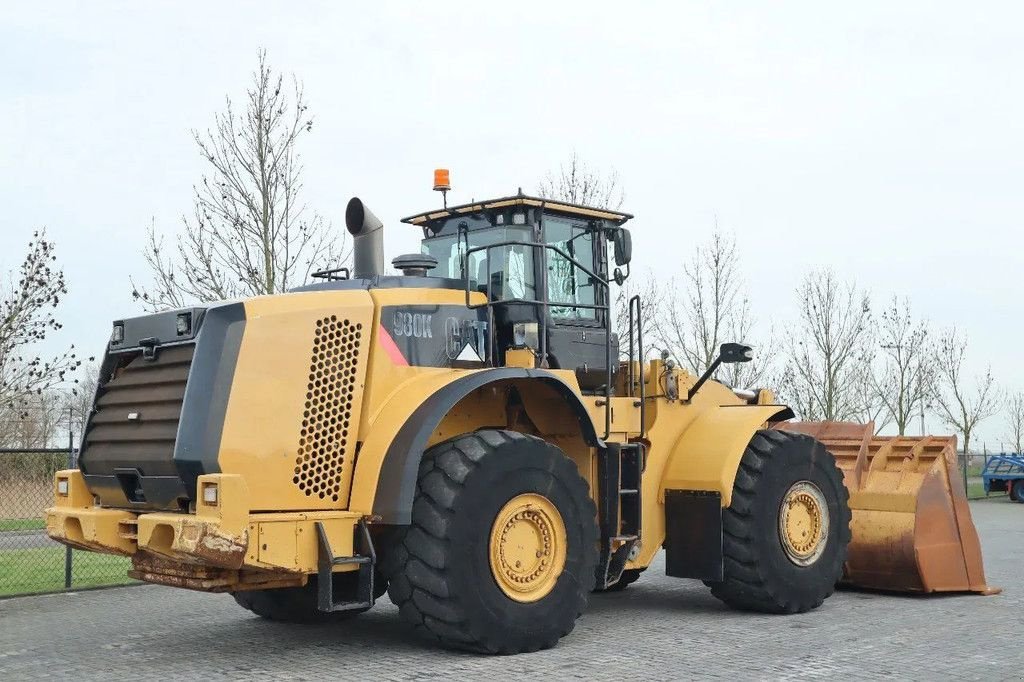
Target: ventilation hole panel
323, 439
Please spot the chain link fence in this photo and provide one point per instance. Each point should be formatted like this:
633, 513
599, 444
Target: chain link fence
30, 561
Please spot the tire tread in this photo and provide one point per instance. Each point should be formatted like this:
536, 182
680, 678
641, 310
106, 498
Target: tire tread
416, 565
745, 585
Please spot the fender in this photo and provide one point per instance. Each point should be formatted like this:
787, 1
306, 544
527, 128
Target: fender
707, 454
396, 472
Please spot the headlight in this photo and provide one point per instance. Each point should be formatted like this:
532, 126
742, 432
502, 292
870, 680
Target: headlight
117, 335
62, 487
525, 335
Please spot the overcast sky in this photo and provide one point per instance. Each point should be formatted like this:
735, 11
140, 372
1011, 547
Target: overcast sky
881, 139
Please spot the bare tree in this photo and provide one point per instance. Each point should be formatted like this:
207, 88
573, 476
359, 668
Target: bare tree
45, 418
800, 396
1015, 421
578, 183
250, 232
697, 323
647, 288
959, 405
77, 403
870, 407
829, 351
28, 304
709, 308
909, 368
36, 423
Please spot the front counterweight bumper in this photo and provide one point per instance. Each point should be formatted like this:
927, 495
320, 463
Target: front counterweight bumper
223, 535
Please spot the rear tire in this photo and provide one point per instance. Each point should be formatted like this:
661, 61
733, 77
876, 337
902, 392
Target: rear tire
1017, 490
771, 566
295, 604
442, 569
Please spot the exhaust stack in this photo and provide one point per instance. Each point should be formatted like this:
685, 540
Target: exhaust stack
368, 234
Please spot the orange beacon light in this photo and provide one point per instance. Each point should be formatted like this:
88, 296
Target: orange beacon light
442, 183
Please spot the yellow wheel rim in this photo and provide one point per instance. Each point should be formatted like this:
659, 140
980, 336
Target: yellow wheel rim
528, 547
803, 523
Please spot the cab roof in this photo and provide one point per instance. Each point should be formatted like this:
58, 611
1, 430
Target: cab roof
563, 207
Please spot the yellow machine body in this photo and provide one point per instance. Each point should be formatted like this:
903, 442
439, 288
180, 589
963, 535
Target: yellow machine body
269, 433
321, 396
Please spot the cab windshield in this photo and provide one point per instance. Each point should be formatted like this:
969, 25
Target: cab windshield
511, 267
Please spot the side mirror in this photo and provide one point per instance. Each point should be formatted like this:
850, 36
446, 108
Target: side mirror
728, 353
623, 246
732, 353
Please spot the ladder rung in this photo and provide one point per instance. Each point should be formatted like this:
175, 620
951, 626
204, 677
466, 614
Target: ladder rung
624, 538
628, 491
338, 561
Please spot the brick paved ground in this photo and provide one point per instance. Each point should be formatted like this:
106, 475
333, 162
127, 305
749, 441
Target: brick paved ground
660, 628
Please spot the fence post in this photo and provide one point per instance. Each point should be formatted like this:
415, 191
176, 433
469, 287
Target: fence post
967, 488
71, 465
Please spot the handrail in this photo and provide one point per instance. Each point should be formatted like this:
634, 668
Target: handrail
639, 325
329, 274
542, 327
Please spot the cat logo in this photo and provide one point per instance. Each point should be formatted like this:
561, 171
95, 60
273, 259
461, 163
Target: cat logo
454, 338
413, 325
459, 335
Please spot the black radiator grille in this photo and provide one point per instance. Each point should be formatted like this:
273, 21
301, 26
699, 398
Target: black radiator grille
135, 421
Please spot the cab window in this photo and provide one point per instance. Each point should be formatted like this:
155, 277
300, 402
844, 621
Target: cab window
568, 285
511, 267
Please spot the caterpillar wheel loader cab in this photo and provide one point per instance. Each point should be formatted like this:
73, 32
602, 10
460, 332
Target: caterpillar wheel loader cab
471, 436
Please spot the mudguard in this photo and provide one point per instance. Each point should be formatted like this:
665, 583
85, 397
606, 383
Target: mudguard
390, 457
707, 454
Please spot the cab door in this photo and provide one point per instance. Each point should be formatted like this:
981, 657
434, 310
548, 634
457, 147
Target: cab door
577, 327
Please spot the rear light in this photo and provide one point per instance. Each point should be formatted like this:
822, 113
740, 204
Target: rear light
183, 324
210, 494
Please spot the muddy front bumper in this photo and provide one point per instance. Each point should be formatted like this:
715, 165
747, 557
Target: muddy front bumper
223, 546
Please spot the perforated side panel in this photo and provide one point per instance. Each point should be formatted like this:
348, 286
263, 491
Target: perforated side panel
323, 441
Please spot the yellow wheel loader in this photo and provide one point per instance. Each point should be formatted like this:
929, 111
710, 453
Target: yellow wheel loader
473, 437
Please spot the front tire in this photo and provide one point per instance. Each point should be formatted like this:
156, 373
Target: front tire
501, 552
787, 528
